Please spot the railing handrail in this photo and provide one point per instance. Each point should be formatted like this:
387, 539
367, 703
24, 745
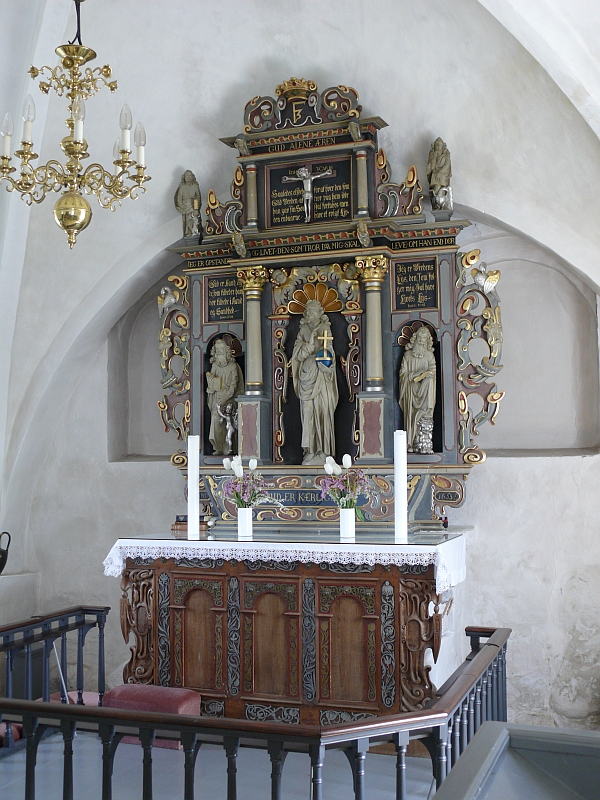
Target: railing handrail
38, 620
475, 693
436, 714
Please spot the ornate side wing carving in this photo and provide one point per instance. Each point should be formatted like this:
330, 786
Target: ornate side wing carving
478, 316
229, 217
393, 199
174, 343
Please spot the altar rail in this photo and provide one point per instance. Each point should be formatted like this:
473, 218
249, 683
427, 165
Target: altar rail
474, 694
47, 629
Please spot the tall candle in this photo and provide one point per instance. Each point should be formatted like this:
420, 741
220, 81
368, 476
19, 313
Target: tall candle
193, 467
400, 492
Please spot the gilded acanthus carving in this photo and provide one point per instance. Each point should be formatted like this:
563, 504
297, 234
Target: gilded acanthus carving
174, 347
372, 269
253, 278
227, 218
478, 310
137, 604
397, 200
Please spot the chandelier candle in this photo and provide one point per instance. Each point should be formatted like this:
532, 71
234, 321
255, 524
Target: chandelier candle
77, 82
400, 493
193, 468
7, 132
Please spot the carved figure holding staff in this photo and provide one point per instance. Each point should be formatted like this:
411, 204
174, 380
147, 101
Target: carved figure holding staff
315, 383
223, 383
307, 178
417, 391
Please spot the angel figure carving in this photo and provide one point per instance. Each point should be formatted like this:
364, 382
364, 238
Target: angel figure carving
485, 280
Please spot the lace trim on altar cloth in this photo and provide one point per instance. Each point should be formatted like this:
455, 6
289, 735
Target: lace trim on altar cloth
423, 556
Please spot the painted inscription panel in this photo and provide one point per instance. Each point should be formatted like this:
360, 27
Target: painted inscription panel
415, 285
223, 298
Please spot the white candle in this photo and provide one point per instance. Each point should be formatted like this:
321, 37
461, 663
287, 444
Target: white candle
7, 131
400, 491
78, 130
27, 127
193, 468
139, 139
125, 123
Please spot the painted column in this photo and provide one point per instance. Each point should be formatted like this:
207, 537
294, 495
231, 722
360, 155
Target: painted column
372, 271
251, 201
253, 279
363, 192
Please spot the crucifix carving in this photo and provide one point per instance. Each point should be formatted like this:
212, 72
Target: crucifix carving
307, 178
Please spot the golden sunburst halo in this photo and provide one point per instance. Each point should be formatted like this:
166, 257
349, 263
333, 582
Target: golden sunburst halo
326, 296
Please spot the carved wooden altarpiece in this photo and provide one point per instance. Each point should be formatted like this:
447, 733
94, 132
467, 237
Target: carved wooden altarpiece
365, 249
314, 215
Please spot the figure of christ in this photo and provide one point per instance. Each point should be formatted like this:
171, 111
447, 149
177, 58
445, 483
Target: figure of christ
315, 384
417, 386
223, 383
307, 178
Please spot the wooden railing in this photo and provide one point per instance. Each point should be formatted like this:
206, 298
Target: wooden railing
474, 694
21, 637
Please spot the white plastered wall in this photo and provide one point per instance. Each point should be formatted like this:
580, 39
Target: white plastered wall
521, 154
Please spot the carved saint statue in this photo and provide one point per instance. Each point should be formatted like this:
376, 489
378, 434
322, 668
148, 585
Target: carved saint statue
439, 172
224, 383
307, 178
417, 391
315, 383
188, 201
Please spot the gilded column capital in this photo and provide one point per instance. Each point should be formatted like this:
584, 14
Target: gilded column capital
372, 269
253, 279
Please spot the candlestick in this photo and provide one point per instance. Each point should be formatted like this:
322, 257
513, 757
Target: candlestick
193, 467
400, 493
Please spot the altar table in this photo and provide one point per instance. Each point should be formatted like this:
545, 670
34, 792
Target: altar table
295, 631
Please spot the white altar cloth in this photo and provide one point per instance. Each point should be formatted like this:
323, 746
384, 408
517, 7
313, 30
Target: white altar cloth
447, 556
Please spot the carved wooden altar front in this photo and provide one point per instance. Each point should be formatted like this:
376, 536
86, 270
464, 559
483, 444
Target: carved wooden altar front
284, 640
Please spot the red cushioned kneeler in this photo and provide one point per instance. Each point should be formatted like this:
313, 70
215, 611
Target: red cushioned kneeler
147, 697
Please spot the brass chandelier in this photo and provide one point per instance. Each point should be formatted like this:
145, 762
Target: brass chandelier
72, 211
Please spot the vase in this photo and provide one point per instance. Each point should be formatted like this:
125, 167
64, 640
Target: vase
347, 525
244, 524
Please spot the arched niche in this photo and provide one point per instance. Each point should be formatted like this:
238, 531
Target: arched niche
135, 430
550, 350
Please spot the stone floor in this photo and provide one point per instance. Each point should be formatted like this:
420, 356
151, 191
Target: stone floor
253, 774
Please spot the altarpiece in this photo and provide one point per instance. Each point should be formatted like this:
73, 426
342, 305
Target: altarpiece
318, 310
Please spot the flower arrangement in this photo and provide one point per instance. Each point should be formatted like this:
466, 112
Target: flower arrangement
246, 489
344, 487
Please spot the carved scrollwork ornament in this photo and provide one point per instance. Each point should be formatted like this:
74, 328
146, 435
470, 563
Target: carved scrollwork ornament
478, 317
174, 350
